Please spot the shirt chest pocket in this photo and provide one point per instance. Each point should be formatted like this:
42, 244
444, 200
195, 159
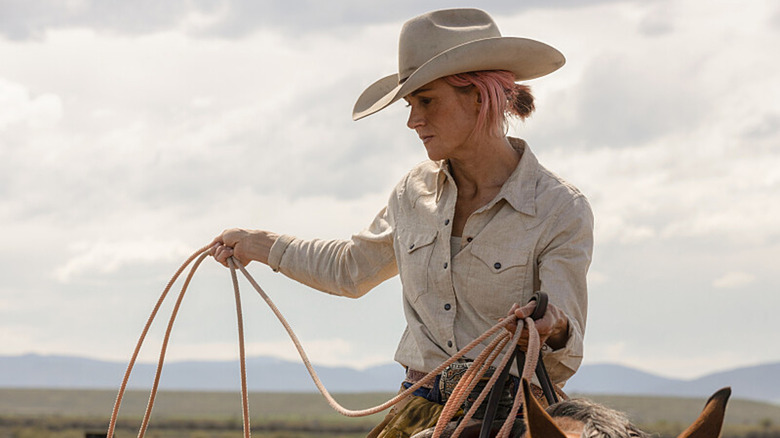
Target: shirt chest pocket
414, 255
498, 277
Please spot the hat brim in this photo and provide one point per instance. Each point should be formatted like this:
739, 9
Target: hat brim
526, 58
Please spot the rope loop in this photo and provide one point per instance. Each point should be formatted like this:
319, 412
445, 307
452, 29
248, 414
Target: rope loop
503, 342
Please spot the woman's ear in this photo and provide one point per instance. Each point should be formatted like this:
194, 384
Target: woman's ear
477, 101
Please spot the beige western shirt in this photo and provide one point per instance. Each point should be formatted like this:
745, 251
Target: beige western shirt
537, 234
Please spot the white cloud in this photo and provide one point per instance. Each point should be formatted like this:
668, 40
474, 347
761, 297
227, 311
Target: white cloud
109, 257
596, 278
18, 107
733, 280
615, 228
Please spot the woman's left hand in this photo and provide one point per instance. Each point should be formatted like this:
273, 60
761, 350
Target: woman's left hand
553, 327
244, 245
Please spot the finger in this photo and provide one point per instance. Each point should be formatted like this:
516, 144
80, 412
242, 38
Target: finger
217, 252
544, 326
220, 238
222, 254
232, 236
214, 247
525, 311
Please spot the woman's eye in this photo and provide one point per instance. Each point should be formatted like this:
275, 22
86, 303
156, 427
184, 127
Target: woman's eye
420, 101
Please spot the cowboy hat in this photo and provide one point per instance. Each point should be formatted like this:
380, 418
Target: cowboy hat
451, 41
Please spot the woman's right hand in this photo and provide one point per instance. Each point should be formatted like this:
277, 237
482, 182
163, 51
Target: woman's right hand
553, 327
244, 245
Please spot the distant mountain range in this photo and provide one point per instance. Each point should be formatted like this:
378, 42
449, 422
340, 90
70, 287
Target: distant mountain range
761, 382
263, 374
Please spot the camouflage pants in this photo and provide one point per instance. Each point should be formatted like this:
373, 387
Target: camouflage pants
408, 417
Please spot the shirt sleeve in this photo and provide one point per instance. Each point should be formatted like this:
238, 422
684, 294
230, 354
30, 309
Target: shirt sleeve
348, 267
563, 267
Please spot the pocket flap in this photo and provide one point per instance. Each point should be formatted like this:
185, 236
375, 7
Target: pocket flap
412, 241
499, 259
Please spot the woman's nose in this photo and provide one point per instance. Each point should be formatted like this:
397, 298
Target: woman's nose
415, 119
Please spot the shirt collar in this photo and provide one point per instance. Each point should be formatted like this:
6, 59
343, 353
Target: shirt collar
519, 190
442, 176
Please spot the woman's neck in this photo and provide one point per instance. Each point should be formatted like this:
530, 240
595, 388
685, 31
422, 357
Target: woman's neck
486, 166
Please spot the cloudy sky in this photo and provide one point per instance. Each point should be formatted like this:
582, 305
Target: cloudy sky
132, 133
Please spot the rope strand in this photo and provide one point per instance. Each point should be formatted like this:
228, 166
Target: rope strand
468, 381
241, 350
131, 364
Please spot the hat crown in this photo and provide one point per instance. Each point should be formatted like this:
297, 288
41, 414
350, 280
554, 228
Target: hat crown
428, 35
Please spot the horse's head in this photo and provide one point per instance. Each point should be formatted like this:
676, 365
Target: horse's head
570, 418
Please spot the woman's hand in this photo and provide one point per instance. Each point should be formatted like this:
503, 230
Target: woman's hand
553, 328
244, 245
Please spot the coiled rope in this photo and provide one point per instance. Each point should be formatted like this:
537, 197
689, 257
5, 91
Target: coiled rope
461, 391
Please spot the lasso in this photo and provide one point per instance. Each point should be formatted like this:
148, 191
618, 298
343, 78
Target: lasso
503, 341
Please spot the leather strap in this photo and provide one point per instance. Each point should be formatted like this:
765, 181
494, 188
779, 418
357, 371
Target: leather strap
541, 372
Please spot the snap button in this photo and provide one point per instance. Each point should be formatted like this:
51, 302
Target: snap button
449, 343
411, 246
469, 239
448, 307
497, 265
446, 221
445, 265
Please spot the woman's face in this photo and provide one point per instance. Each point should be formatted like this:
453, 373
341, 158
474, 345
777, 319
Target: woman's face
444, 118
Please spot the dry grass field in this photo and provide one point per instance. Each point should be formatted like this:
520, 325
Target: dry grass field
32, 413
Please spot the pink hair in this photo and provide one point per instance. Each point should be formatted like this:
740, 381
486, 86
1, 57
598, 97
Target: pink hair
500, 97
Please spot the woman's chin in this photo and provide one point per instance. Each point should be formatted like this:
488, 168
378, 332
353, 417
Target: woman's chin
434, 155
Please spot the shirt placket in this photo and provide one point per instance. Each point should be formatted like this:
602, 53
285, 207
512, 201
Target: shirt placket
442, 264
474, 225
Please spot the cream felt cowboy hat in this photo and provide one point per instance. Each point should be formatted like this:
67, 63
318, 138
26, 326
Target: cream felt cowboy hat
451, 41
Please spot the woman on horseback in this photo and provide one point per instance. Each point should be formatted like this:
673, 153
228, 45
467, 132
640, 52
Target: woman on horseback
474, 230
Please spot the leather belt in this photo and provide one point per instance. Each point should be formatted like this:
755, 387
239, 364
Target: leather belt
414, 376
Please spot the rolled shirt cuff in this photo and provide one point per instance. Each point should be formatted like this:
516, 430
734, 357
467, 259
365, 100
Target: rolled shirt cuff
564, 362
277, 251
